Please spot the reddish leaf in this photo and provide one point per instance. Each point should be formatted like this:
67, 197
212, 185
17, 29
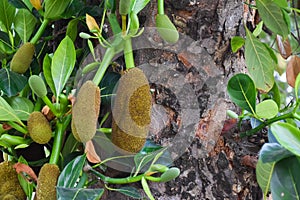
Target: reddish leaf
91, 154
21, 167
292, 70
284, 47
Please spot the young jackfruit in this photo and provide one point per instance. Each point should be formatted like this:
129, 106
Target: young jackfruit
37, 85
131, 111
10, 187
22, 58
47, 180
166, 29
39, 128
85, 112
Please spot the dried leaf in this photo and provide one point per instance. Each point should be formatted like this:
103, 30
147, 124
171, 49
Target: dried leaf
92, 24
292, 70
91, 154
36, 4
21, 167
284, 47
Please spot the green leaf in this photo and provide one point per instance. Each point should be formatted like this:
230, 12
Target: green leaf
147, 189
241, 90
72, 30
47, 73
259, 63
139, 5
11, 83
24, 24
79, 193
264, 173
7, 15
129, 191
236, 43
285, 182
7, 113
275, 94
258, 29
70, 174
273, 17
267, 109
22, 107
297, 84
288, 136
63, 63
55, 8
281, 3
273, 152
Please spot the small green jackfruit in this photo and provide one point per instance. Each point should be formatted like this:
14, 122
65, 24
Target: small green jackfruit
39, 128
85, 112
22, 58
131, 111
37, 85
47, 180
166, 29
10, 187
124, 7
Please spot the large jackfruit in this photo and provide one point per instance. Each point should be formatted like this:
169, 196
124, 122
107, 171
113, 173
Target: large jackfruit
85, 112
47, 180
39, 128
10, 187
22, 58
131, 111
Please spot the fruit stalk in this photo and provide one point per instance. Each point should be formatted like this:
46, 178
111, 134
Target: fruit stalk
40, 32
160, 7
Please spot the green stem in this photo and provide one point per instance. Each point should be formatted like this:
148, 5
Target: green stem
266, 123
50, 105
160, 7
17, 127
128, 54
57, 144
40, 32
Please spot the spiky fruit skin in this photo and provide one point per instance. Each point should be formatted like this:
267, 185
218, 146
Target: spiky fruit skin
10, 187
22, 58
131, 111
85, 112
39, 128
166, 29
47, 180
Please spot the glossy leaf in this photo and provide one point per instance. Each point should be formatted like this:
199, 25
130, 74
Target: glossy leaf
236, 43
129, 191
275, 94
264, 173
11, 83
241, 90
273, 17
47, 73
147, 189
288, 136
7, 15
24, 24
55, 8
267, 109
139, 5
259, 27
72, 171
22, 107
79, 193
18, 4
285, 182
7, 113
63, 63
72, 30
273, 152
281, 3
292, 70
259, 62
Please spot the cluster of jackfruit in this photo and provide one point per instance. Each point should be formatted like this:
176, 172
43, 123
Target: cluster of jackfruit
22, 58
47, 180
10, 187
131, 111
39, 128
85, 112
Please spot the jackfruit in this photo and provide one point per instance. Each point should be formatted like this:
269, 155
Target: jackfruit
22, 58
38, 86
10, 187
85, 112
39, 128
131, 111
166, 29
47, 180
124, 7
